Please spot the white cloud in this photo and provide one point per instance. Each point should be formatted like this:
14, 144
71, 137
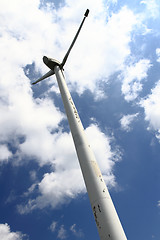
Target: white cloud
151, 105
62, 233
32, 120
132, 77
158, 203
6, 234
53, 226
101, 55
158, 54
32, 124
66, 182
28, 33
77, 232
126, 121
101, 146
5, 154
23, 116
23, 25
152, 7
43, 119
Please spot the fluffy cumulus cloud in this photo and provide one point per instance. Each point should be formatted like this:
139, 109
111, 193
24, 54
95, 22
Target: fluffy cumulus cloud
26, 122
27, 39
28, 32
31, 124
152, 110
126, 121
101, 55
132, 77
65, 182
6, 234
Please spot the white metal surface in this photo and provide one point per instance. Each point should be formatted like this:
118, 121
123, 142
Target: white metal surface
107, 221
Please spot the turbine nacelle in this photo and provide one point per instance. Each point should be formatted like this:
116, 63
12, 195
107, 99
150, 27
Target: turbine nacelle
51, 63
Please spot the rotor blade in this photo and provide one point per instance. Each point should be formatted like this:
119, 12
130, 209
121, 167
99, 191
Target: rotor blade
68, 52
48, 74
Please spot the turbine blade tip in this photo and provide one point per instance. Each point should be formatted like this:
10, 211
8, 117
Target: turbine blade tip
86, 13
34, 83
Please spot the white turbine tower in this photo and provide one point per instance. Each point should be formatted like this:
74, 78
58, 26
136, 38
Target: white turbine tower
106, 218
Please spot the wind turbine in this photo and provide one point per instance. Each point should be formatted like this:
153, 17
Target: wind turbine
106, 218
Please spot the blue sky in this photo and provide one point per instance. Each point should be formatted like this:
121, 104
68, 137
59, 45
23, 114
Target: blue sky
114, 78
